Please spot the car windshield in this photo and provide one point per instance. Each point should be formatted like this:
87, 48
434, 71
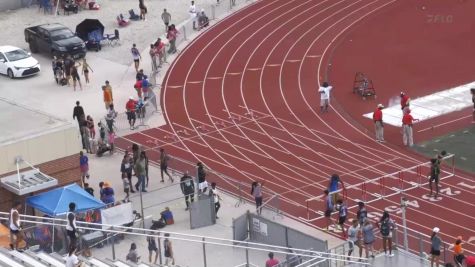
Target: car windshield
61, 34
16, 55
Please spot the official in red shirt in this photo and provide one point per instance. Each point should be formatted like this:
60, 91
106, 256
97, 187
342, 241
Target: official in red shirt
407, 121
378, 123
404, 101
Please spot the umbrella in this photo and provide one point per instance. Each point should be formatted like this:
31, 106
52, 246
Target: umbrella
88, 26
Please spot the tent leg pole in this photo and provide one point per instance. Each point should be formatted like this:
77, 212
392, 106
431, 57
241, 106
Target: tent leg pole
52, 239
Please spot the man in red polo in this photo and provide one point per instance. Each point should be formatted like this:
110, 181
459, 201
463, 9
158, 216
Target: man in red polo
378, 123
404, 101
407, 121
130, 106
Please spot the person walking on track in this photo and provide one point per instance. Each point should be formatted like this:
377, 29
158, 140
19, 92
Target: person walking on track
256, 192
342, 213
435, 247
407, 131
324, 91
378, 123
386, 228
164, 158
434, 177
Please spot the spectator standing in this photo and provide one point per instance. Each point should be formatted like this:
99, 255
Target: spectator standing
140, 172
88, 189
362, 213
386, 228
214, 193
146, 167
171, 36
136, 56
153, 57
107, 95
193, 14
435, 247
75, 76
102, 132
126, 185
85, 69
90, 127
152, 247
378, 123
166, 18
126, 167
256, 192
133, 256
138, 85
202, 183
333, 187
72, 259
135, 152
85, 136
404, 102
368, 238
160, 52
145, 88
434, 176
354, 238
168, 251
16, 232
188, 189
111, 139
108, 196
110, 117
78, 114
324, 91
458, 252
164, 158
101, 191
407, 122
71, 225
84, 166
271, 262
143, 9
131, 115
68, 63
328, 208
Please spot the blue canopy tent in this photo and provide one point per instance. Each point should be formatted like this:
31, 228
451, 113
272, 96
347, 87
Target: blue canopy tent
56, 202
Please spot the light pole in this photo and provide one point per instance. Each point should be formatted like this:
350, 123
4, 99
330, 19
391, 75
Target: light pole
404, 223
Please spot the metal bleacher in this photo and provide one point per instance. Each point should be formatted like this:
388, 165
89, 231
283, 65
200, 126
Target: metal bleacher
29, 258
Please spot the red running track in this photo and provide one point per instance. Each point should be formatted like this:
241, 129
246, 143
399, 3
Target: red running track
242, 99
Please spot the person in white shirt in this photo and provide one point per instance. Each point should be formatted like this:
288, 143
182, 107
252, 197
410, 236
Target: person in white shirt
324, 91
16, 233
72, 260
71, 225
213, 192
193, 14
354, 237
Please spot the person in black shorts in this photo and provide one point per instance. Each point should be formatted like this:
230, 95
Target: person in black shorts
434, 176
75, 76
342, 213
152, 246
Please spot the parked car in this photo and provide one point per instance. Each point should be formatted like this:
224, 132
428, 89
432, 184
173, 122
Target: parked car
55, 39
16, 62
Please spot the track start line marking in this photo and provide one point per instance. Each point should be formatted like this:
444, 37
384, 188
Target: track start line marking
430, 106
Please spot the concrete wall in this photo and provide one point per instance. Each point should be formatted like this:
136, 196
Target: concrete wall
12, 4
40, 149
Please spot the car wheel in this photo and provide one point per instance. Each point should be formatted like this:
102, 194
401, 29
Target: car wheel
10, 74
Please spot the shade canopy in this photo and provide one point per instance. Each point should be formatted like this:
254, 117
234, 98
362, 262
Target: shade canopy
89, 27
56, 202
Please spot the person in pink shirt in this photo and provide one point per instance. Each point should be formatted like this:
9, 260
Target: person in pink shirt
271, 261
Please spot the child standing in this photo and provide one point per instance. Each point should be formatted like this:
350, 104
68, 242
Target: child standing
126, 184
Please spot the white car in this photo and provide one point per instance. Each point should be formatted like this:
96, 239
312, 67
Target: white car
16, 62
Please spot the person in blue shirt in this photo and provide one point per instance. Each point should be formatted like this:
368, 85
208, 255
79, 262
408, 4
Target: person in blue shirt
333, 187
328, 209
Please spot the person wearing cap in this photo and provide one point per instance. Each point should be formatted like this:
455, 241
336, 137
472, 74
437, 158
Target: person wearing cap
404, 101
107, 94
131, 116
407, 133
469, 261
324, 91
458, 252
435, 247
378, 123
